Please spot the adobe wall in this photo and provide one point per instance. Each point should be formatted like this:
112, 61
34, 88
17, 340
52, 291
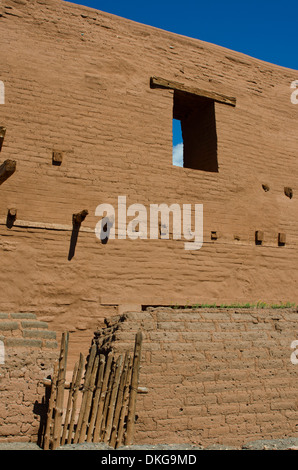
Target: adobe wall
77, 81
213, 376
30, 349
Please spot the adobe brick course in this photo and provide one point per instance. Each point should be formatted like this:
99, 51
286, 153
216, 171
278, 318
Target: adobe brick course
28, 359
230, 392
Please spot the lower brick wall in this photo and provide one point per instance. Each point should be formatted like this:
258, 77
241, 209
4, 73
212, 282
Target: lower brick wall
213, 376
29, 352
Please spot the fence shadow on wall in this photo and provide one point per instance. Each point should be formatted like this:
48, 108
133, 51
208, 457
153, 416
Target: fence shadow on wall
99, 403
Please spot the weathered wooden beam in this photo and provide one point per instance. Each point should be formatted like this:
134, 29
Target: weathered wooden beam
78, 218
2, 135
7, 169
157, 82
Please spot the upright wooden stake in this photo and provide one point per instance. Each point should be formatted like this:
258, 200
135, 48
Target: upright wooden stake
85, 392
124, 404
107, 400
99, 416
60, 390
133, 390
114, 391
47, 437
116, 418
99, 384
75, 397
68, 407
89, 396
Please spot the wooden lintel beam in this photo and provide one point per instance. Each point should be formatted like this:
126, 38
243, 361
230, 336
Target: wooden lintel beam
157, 82
7, 169
2, 135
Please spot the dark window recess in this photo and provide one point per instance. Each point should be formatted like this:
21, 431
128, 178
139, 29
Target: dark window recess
198, 127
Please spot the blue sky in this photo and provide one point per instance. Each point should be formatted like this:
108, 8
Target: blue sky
263, 29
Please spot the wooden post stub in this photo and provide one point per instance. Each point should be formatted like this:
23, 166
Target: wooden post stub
57, 157
133, 389
11, 217
7, 169
78, 218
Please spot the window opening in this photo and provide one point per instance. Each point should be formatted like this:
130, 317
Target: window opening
198, 146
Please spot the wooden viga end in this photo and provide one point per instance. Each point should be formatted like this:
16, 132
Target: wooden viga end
99, 403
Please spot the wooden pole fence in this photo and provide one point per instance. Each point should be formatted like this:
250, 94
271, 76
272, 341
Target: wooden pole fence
98, 406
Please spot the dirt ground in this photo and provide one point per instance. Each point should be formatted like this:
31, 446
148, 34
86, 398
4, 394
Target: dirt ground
290, 443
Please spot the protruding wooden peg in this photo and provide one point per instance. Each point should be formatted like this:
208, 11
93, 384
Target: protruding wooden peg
7, 169
12, 213
281, 239
57, 157
214, 236
288, 192
78, 218
2, 135
11, 217
259, 237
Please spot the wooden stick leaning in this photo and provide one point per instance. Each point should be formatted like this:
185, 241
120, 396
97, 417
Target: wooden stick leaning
98, 388
85, 390
69, 402
75, 397
113, 398
124, 404
116, 417
133, 390
99, 416
107, 399
88, 403
46, 444
60, 390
